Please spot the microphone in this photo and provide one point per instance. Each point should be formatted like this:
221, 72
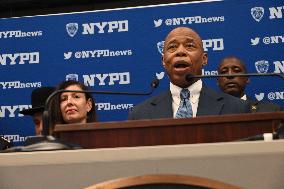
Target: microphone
189, 77
45, 116
264, 136
279, 134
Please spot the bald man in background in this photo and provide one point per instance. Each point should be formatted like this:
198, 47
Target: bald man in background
236, 86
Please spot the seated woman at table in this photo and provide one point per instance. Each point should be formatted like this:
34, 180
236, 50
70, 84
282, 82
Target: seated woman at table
73, 107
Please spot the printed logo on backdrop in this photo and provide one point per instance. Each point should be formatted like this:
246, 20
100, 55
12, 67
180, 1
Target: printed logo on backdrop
72, 77
15, 138
18, 85
187, 20
122, 78
72, 29
160, 46
262, 66
160, 75
97, 27
277, 95
209, 72
274, 13
254, 41
259, 96
12, 110
19, 34
107, 106
268, 40
257, 13
96, 53
215, 44
19, 58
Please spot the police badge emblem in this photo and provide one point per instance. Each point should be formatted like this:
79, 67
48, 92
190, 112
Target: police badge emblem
160, 46
257, 13
261, 66
72, 29
72, 77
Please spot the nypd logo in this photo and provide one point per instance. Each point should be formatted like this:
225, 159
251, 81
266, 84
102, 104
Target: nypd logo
15, 138
96, 54
108, 106
276, 12
72, 77
187, 21
12, 111
122, 78
258, 13
19, 58
97, 27
18, 85
262, 66
160, 46
19, 34
72, 29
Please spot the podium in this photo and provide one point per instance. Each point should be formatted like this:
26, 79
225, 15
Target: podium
203, 129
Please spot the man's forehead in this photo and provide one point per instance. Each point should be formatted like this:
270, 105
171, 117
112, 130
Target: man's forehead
185, 33
231, 64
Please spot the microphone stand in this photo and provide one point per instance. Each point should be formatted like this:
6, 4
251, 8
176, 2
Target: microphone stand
45, 116
50, 140
188, 77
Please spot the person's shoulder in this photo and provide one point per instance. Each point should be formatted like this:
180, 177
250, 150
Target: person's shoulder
153, 100
231, 104
265, 106
222, 96
142, 109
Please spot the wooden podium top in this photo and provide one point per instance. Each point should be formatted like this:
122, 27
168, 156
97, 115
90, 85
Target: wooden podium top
203, 129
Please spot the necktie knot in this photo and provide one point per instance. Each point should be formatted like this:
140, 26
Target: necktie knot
185, 109
184, 94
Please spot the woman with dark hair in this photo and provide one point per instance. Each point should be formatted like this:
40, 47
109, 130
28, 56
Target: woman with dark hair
73, 107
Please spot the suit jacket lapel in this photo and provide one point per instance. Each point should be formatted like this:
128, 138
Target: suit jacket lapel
210, 102
162, 105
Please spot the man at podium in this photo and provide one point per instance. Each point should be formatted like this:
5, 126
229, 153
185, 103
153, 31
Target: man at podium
183, 54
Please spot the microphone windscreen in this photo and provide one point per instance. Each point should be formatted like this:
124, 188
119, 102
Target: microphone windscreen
189, 77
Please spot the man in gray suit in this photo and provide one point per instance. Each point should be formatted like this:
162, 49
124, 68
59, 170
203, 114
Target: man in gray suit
184, 54
235, 86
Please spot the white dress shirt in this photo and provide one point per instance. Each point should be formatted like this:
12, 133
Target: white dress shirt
194, 89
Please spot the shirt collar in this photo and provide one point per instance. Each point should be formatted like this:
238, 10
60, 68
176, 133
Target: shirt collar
194, 89
244, 97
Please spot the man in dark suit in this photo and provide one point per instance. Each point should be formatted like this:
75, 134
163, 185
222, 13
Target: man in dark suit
38, 98
184, 54
235, 86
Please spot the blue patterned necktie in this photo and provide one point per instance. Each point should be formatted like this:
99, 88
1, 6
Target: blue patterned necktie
184, 109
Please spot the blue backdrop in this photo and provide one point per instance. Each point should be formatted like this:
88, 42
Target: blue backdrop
118, 50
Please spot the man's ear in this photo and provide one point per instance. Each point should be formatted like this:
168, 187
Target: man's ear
89, 105
204, 59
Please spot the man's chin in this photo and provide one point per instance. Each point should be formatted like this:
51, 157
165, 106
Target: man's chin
233, 92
